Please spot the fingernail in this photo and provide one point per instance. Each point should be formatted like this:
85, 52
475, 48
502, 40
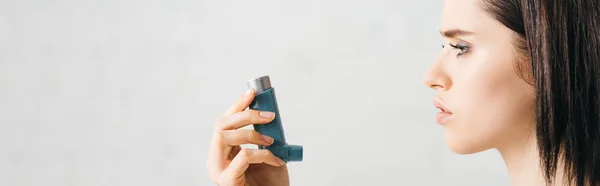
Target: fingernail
279, 160
267, 139
265, 114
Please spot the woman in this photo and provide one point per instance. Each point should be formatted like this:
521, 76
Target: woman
520, 76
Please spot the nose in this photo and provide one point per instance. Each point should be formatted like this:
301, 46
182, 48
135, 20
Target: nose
437, 76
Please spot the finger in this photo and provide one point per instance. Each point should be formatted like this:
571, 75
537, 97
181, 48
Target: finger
245, 136
216, 156
245, 157
247, 117
241, 104
220, 149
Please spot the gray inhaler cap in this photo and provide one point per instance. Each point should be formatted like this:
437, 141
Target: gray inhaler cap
260, 84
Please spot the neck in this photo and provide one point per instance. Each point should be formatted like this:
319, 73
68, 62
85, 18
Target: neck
522, 161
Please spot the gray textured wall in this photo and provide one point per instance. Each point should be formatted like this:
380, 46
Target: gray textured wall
126, 92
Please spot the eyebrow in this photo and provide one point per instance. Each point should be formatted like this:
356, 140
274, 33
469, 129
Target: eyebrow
455, 32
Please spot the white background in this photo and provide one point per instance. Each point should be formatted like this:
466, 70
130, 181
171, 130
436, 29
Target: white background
126, 92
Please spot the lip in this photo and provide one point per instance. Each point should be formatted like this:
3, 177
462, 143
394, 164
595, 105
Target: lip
444, 114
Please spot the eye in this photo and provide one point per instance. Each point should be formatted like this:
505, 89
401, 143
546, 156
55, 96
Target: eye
462, 47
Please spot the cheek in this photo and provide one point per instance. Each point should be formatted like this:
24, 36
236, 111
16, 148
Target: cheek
491, 101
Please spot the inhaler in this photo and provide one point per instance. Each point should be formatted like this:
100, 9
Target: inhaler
265, 100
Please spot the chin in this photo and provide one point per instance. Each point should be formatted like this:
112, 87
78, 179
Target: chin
464, 144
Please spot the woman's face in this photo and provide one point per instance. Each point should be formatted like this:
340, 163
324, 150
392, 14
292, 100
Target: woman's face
487, 105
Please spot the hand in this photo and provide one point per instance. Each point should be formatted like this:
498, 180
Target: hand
231, 165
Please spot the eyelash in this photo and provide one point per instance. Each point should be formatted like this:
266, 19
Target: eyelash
463, 48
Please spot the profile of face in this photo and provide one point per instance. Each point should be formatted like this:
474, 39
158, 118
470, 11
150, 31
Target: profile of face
483, 101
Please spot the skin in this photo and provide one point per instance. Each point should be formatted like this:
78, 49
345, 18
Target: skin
491, 106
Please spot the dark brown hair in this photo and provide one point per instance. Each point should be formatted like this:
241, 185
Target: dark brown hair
560, 41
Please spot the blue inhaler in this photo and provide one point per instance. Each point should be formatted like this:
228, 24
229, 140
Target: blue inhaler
265, 100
